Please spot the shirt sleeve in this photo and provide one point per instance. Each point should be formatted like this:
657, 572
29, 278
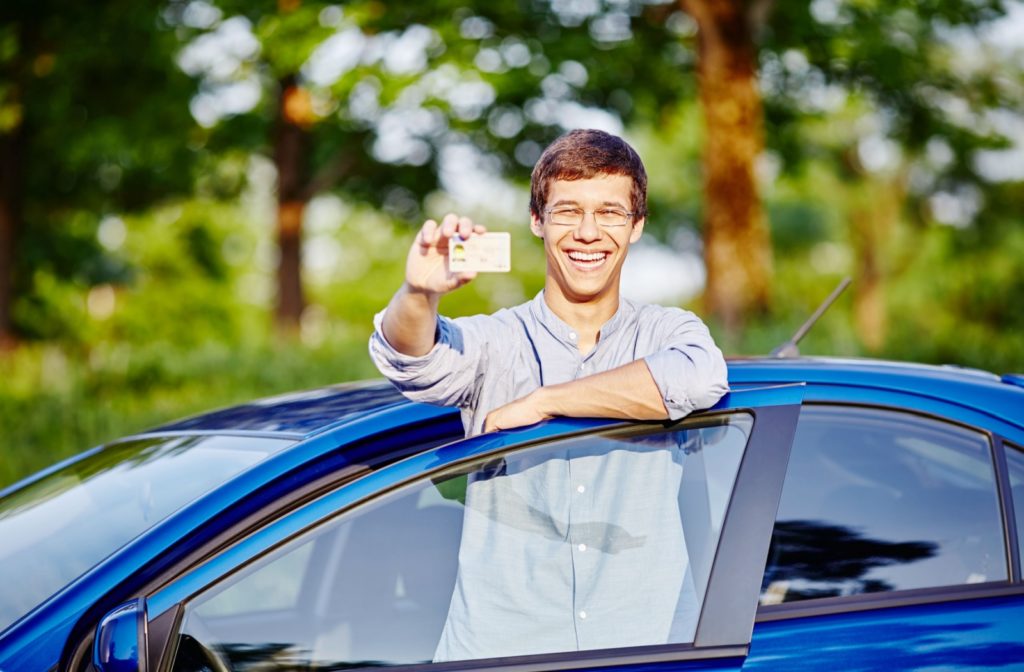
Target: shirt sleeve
448, 375
688, 367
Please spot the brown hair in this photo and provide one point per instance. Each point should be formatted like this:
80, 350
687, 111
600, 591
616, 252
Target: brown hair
581, 155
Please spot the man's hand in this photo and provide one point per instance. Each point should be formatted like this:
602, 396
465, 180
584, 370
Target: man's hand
426, 268
411, 317
519, 413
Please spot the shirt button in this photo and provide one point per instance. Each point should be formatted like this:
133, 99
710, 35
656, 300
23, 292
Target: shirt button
581, 489
572, 335
582, 547
583, 614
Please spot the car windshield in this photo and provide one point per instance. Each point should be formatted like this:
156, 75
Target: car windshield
57, 528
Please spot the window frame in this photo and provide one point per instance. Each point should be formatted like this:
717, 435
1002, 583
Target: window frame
1012, 585
721, 634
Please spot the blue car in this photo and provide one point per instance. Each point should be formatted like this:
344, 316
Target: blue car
825, 515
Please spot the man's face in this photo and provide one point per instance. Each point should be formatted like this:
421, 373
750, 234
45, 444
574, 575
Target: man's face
585, 261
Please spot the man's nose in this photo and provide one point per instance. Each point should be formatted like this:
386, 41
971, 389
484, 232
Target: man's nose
588, 230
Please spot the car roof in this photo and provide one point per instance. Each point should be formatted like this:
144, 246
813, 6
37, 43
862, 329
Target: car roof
304, 414
974, 388
296, 415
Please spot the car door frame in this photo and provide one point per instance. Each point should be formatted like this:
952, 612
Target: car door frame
996, 432
727, 618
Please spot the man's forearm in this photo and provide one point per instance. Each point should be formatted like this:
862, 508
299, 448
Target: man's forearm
410, 321
627, 392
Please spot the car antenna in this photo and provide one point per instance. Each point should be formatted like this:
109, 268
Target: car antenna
789, 348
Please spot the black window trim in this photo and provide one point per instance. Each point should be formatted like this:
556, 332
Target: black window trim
745, 526
579, 660
1006, 503
823, 606
917, 596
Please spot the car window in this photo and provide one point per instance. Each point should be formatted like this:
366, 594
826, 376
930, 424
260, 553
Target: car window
586, 543
58, 527
878, 500
1015, 462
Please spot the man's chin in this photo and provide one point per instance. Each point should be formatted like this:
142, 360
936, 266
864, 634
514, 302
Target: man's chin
586, 292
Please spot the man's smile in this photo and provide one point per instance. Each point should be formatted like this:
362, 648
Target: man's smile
587, 260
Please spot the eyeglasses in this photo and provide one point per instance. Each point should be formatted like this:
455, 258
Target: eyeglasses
606, 218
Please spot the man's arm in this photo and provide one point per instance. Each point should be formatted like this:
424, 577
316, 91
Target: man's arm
687, 372
410, 320
627, 392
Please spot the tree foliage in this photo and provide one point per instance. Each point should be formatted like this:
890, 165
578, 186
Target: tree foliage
91, 123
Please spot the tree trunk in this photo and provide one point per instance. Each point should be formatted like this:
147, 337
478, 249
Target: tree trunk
11, 145
737, 249
874, 214
290, 142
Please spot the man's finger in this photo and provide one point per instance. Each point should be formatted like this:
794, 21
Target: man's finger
479, 229
449, 225
428, 234
465, 227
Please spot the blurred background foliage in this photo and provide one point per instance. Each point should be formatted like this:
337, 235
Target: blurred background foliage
206, 201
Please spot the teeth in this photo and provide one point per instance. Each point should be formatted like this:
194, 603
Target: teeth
586, 256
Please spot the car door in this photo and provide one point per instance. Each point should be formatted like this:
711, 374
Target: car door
897, 545
567, 545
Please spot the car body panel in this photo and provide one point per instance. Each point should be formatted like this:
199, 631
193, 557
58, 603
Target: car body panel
49, 625
980, 634
737, 544
980, 392
336, 432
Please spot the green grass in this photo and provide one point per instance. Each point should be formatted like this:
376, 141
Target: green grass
54, 404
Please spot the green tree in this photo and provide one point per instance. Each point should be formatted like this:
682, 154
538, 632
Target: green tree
92, 121
899, 98
505, 77
370, 99
763, 68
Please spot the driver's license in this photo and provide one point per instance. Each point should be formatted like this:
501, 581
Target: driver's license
484, 253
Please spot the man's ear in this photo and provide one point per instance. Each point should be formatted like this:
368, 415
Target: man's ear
536, 226
638, 230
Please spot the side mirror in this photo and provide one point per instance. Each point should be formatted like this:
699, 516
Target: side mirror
121, 638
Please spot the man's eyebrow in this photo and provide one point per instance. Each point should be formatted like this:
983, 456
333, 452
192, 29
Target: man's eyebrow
614, 204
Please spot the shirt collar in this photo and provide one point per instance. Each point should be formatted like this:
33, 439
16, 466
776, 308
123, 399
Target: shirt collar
563, 332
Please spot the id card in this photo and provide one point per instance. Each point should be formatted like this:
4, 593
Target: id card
487, 253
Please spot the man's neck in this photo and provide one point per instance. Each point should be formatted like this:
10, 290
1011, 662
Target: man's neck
585, 317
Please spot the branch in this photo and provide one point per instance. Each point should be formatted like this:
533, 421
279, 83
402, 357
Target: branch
329, 175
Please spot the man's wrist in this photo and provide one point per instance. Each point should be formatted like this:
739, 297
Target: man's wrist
431, 297
545, 401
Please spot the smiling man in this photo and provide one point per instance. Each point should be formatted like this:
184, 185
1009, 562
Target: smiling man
578, 349
552, 545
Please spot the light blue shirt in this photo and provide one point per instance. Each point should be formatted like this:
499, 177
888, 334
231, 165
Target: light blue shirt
482, 362
582, 548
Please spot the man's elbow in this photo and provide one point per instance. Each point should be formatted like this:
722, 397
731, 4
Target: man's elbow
714, 386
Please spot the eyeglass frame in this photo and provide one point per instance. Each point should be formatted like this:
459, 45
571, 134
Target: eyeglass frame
629, 216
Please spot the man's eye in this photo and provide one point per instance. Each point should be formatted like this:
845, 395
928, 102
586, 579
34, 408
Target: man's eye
567, 212
611, 212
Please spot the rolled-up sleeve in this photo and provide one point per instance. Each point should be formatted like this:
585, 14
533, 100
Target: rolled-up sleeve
447, 375
687, 366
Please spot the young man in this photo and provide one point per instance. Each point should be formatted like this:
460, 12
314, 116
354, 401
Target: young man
576, 350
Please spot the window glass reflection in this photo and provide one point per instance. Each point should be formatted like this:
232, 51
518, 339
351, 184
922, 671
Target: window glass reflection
60, 526
591, 543
876, 501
